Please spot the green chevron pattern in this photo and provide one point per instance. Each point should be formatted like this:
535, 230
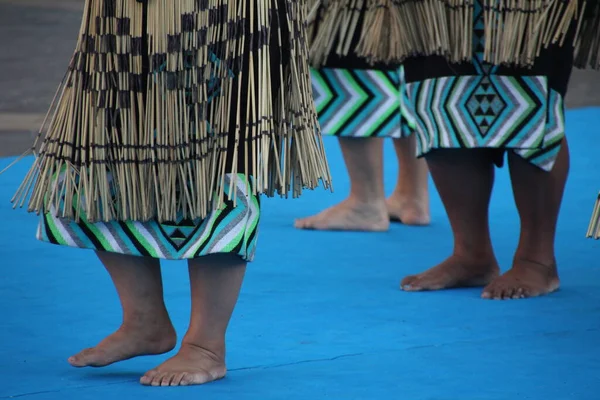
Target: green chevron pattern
233, 228
359, 103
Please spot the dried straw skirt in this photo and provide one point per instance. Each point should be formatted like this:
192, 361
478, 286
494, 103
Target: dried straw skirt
464, 83
594, 227
174, 116
466, 104
355, 99
480, 105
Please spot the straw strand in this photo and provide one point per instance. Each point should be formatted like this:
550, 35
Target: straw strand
164, 98
516, 31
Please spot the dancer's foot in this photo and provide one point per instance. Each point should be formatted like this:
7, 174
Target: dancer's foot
454, 272
192, 365
408, 210
525, 279
349, 215
127, 343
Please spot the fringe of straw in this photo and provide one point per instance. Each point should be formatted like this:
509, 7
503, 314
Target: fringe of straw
594, 228
129, 151
515, 30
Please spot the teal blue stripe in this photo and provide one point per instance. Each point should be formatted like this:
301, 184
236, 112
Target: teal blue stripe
231, 215
123, 236
81, 236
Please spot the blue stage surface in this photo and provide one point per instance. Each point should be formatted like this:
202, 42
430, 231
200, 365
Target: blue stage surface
321, 315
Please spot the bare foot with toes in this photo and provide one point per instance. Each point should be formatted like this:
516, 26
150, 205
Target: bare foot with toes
192, 365
452, 273
525, 279
127, 343
348, 216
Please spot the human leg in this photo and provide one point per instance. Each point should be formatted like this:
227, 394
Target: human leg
538, 196
146, 328
464, 180
215, 282
409, 202
365, 208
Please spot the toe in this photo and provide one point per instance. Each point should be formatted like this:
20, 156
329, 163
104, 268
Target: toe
528, 292
489, 292
75, 361
498, 293
507, 293
82, 358
157, 380
177, 378
186, 379
409, 283
518, 293
486, 294
304, 223
167, 378
148, 377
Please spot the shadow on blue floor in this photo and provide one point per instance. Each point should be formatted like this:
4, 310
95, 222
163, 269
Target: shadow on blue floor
321, 316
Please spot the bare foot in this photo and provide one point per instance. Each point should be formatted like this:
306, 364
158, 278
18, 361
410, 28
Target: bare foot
192, 365
408, 211
127, 343
452, 273
349, 215
525, 279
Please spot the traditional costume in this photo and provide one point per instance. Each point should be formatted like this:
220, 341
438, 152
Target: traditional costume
355, 98
173, 118
477, 73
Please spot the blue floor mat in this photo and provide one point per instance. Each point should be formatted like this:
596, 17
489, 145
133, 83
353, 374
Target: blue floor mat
320, 315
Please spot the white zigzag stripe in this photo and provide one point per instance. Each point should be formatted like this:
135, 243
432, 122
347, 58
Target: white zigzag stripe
229, 232
521, 106
242, 195
455, 102
558, 128
64, 232
204, 235
351, 99
114, 244
423, 109
148, 236
437, 109
391, 99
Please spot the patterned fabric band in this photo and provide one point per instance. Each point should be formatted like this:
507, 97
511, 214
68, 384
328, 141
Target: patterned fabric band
232, 228
504, 112
360, 103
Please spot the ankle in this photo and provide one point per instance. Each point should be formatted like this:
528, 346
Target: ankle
410, 196
146, 321
362, 202
536, 252
476, 257
214, 349
541, 261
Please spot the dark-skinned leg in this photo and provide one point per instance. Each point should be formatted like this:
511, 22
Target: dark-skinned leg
538, 195
464, 179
